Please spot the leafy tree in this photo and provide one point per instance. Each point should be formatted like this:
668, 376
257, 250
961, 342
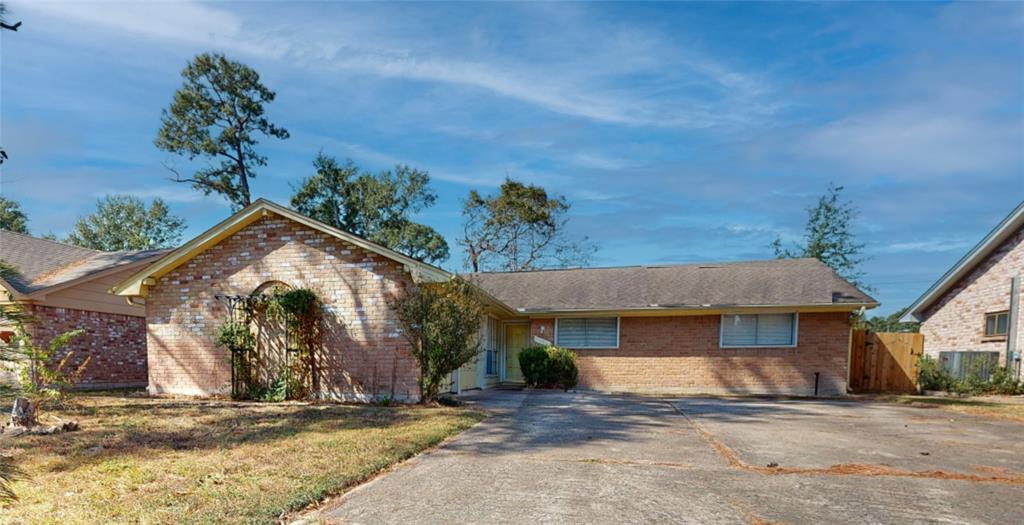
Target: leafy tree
216, 114
889, 323
377, 207
441, 321
122, 222
12, 218
828, 237
521, 228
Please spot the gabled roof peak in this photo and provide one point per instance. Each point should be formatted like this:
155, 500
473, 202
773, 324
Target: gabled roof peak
1006, 228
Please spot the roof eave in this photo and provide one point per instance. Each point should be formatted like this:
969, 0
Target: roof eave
700, 309
43, 292
11, 290
1007, 227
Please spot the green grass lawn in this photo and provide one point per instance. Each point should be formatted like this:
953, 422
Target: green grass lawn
139, 460
989, 406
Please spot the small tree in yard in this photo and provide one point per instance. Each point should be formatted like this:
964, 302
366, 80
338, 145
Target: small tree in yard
441, 322
42, 378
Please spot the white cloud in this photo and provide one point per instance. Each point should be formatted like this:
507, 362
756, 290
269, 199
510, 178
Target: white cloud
600, 162
183, 193
917, 142
592, 85
182, 21
927, 245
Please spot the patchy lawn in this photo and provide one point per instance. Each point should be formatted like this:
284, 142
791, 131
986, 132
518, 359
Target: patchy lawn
144, 460
988, 406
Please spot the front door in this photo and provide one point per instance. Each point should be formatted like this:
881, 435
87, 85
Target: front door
517, 337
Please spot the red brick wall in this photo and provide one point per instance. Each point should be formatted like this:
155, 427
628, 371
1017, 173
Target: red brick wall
956, 322
114, 344
681, 354
363, 347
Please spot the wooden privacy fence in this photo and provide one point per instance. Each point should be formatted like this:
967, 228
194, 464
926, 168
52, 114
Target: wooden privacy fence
884, 362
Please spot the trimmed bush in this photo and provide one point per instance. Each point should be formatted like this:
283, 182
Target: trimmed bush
931, 375
549, 367
562, 370
979, 379
533, 364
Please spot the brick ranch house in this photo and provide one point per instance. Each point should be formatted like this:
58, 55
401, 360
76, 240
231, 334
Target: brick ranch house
765, 326
64, 288
973, 311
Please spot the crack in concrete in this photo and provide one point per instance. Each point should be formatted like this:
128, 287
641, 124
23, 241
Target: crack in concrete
611, 461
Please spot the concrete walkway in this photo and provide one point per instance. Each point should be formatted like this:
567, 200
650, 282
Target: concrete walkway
551, 457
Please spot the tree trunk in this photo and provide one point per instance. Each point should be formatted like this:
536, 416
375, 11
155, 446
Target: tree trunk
23, 415
243, 177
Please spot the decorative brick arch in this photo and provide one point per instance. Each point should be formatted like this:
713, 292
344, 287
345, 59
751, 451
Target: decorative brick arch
269, 286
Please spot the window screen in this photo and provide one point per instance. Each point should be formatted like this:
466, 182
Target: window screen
588, 332
758, 330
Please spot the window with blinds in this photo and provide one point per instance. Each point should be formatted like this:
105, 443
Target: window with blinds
743, 330
587, 332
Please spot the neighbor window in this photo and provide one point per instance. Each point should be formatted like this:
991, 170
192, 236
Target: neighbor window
995, 324
963, 364
587, 332
748, 330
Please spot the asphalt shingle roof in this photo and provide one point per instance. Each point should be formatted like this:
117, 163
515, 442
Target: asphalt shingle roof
41, 263
783, 282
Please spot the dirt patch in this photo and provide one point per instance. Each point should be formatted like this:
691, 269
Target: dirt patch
994, 475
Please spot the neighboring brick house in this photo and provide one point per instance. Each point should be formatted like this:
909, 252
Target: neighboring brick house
63, 288
765, 326
973, 311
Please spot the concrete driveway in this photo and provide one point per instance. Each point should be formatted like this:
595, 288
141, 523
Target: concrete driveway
549, 457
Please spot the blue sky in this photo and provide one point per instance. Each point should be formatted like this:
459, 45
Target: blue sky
680, 132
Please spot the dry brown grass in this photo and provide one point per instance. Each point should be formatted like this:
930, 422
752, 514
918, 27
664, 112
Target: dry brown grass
990, 406
139, 460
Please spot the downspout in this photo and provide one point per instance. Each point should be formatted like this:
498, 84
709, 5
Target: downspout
1013, 327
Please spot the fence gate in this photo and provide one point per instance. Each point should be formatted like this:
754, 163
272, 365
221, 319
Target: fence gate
884, 362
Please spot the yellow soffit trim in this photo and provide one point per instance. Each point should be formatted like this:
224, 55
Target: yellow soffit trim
137, 283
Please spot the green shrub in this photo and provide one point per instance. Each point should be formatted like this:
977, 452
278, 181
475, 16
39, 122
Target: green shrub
562, 370
236, 336
931, 375
1004, 381
549, 367
982, 377
533, 364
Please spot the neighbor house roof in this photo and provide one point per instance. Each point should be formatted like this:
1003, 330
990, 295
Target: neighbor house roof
710, 286
995, 238
138, 283
42, 265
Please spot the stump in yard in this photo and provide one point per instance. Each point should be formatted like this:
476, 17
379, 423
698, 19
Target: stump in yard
23, 415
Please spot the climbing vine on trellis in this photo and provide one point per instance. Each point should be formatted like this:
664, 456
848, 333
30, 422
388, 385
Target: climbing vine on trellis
300, 311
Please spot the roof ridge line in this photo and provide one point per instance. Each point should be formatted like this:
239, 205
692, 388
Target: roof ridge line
53, 241
648, 265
